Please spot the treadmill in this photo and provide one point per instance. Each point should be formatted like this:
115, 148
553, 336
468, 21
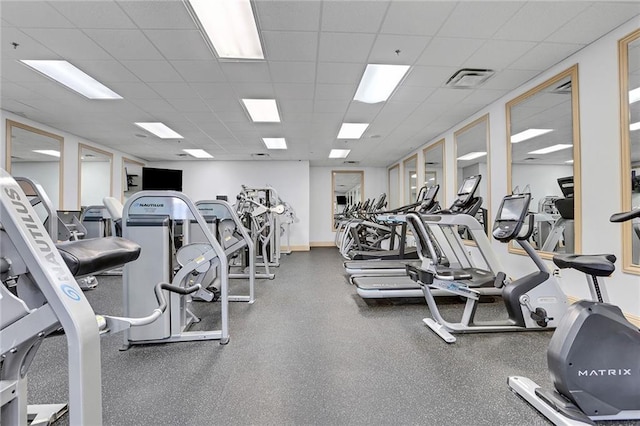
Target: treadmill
394, 218
443, 226
425, 203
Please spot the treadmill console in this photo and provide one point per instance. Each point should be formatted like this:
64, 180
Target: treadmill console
511, 216
466, 193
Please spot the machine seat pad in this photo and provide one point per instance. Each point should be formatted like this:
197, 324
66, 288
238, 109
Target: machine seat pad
599, 265
86, 257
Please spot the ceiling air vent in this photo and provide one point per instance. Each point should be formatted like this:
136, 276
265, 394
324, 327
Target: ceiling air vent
469, 78
260, 155
351, 162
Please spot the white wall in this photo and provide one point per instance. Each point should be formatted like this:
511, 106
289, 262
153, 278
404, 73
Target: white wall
202, 180
321, 217
600, 162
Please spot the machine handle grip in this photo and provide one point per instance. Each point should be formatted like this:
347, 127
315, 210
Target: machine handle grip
529, 229
625, 216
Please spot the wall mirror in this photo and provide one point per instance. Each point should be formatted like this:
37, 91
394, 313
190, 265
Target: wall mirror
410, 170
629, 58
95, 178
434, 169
393, 181
543, 153
347, 189
36, 154
131, 178
471, 145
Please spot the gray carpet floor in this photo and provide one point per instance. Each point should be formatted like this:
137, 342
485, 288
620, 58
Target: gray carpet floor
310, 351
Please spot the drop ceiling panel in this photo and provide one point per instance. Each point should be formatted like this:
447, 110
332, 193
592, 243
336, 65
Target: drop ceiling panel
544, 55
337, 73
396, 49
448, 51
416, 17
478, 19
94, 14
483, 96
158, 14
498, 54
125, 44
428, 76
288, 15
254, 90
600, 18
214, 91
180, 44
254, 72
174, 90
157, 107
199, 71
332, 106
405, 93
509, 79
31, 14
362, 112
297, 46
107, 71
189, 105
353, 17
536, 20
291, 91
334, 92
67, 43
345, 47
27, 48
153, 71
293, 72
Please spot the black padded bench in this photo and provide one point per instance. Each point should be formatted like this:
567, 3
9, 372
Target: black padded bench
90, 256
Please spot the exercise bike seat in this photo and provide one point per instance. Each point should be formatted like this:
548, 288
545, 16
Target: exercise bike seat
87, 257
599, 265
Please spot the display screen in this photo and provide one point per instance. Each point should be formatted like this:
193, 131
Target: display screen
467, 186
341, 200
161, 179
513, 208
431, 193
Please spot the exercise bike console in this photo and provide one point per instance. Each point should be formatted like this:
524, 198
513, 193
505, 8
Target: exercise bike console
511, 216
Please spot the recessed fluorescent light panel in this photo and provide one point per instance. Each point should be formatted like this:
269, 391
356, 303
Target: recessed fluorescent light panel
230, 27
262, 110
198, 153
160, 130
68, 75
352, 130
529, 134
634, 126
275, 143
634, 95
552, 148
378, 82
472, 155
568, 162
339, 153
50, 152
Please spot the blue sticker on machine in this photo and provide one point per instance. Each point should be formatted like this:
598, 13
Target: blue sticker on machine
70, 292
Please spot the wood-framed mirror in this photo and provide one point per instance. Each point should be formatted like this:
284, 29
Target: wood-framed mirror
410, 171
95, 177
629, 61
131, 178
435, 169
543, 154
472, 154
347, 189
393, 183
36, 154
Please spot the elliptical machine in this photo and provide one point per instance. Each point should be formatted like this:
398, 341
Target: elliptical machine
593, 356
533, 302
